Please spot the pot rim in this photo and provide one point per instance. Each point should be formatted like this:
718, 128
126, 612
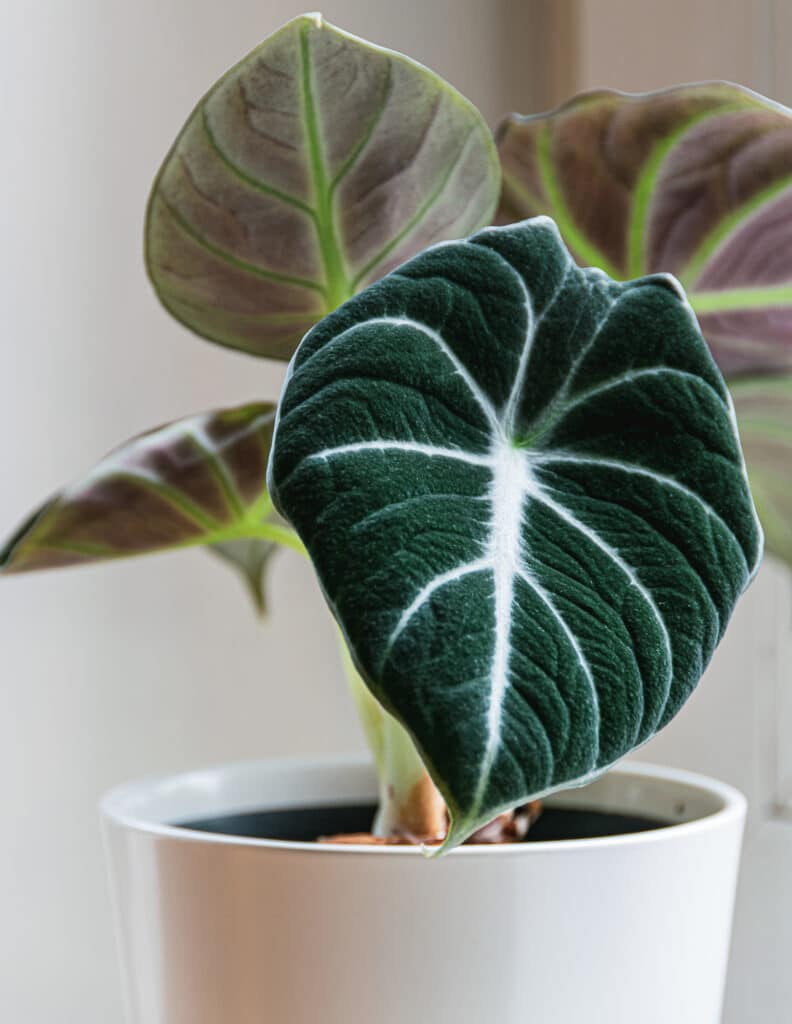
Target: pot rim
117, 807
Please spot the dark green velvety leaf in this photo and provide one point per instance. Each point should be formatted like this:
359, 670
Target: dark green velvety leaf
313, 167
695, 181
764, 416
521, 486
197, 481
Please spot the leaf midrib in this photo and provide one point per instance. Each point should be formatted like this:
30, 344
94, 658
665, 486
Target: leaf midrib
337, 285
559, 211
720, 236
646, 184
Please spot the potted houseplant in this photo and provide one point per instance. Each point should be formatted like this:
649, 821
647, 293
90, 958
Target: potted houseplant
521, 485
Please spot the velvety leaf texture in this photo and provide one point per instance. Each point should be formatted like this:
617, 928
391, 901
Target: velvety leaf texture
312, 168
197, 481
522, 488
695, 181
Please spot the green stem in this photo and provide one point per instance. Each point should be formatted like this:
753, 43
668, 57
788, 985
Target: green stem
282, 535
409, 803
371, 712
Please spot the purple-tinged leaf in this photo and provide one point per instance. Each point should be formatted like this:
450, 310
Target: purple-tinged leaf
313, 167
200, 480
764, 416
696, 181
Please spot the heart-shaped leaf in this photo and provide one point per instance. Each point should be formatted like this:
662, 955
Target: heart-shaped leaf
522, 488
695, 181
197, 481
311, 168
764, 416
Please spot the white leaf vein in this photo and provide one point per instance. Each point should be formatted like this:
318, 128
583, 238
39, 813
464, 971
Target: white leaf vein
660, 478
530, 581
413, 447
634, 375
425, 594
540, 495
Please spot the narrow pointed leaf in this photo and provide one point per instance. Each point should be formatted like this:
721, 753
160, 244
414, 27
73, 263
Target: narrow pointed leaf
522, 488
200, 480
764, 416
310, 169
695, 181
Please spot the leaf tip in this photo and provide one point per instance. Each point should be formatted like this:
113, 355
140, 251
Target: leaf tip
259, 600
668, 281
459, 831
542, 220
10, 548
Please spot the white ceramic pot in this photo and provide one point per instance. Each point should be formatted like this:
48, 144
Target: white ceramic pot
628, 929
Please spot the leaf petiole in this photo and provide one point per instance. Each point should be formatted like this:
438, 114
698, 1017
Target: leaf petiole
282, 535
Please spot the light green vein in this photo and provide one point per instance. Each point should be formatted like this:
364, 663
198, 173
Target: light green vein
262, 508
76, 548
767, 428
173, 497
419, 214
233, 261
728, 226
776, 525
511, 183
222, 477
273, 318
731, 300
759, 387
249, 179
367, 135
773, 428
337, 288
644, 189
643, 194
282, 535
585, 249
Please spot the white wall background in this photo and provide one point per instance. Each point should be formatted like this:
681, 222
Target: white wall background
158, 665
154, 665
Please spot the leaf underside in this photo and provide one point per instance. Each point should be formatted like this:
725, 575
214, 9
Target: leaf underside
522, 489
695, 181
313, 167
200, 480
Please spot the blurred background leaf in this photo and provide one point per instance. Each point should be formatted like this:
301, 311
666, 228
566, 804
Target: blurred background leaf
312, 168
695, 181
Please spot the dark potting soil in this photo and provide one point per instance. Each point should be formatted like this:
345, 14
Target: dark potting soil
306, 824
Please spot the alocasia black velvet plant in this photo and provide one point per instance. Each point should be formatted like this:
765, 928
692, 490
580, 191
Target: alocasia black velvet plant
519, 479
522, 489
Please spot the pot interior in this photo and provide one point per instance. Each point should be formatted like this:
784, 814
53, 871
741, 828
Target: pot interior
307, 824
298, 801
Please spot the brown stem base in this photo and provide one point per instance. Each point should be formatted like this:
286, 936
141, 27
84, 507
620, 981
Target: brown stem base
509, 827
